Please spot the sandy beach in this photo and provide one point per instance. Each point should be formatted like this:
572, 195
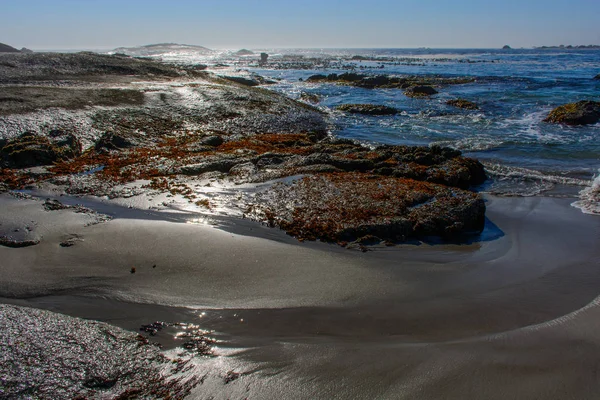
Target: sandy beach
315, 320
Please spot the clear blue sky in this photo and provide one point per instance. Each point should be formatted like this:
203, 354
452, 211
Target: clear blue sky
232, 24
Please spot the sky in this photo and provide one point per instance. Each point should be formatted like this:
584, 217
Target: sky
233, 24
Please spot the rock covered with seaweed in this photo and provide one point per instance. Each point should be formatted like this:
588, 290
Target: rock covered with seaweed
580, 113
182, 126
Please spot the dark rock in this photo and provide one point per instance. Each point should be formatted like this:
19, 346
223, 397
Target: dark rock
506, 47
4, 48
580, 113
54, 205
98, 382
316, 78
462, 103
310, 98
31, 149
8, 241
250, 80
597, 77
420, 91
213, 141
368, 109
263, 58
231, 376
26, 50
113, 141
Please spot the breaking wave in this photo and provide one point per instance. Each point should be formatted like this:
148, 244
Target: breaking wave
589, 198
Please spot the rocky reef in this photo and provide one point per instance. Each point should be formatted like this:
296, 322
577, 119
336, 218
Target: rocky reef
183, 127
387, 81
368, 109
462, 103
583, 112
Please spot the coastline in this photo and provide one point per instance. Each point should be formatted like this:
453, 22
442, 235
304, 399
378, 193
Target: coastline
297, 300
91, 229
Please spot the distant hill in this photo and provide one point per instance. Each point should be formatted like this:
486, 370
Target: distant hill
161, 48
4, 48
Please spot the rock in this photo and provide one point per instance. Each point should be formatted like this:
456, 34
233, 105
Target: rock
263, 58
54, 205
251, 79
310, 97
71, 240
506, 47
420, 91
597, 77
344, 207
8, 241
386, 81
213, 141
26, 50
4, 48
31, 149
112, 141
462, 103
581, 113
368, 109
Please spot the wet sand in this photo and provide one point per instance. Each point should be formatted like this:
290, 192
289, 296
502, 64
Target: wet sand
513, 315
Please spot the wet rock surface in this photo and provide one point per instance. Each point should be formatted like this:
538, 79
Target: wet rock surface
462, 103
347, 207
52, 356
387, 81
31, 149
368, 109
420, 91
580, 113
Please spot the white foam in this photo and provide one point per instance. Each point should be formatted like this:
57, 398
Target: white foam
589, 198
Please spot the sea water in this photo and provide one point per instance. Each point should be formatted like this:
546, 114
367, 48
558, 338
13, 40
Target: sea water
515, 90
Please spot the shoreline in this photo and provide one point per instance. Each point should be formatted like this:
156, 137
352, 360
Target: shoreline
418, 302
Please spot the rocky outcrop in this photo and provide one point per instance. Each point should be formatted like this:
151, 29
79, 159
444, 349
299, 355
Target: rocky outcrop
506, 47
462, 103
420, 91
347, 207
251, 79
31, 149
4, 48
580, 113
368, 109
597, 77
210, 128
27, 67
386, 81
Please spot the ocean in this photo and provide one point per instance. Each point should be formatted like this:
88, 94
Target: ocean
515, 89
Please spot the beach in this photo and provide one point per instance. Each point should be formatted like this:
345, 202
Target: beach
242, 242
315, 320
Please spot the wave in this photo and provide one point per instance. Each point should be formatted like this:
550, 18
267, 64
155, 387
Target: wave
516, 181
589, 198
